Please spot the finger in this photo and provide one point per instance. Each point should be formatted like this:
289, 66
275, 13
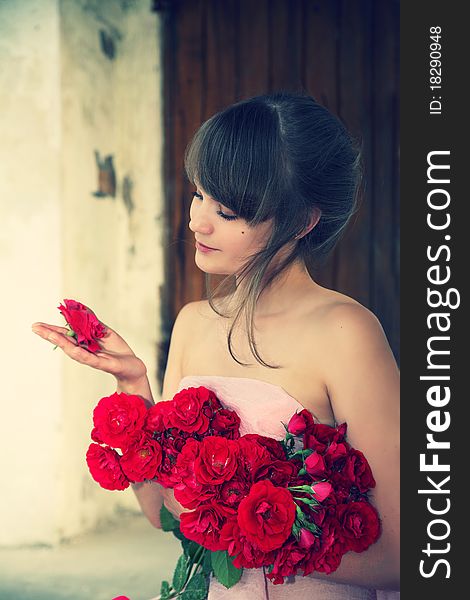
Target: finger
55, 335
46, 327
83, 356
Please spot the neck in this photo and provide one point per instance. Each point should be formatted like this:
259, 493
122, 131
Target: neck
283, 293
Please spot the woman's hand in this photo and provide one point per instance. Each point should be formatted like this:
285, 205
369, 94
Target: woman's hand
116, 357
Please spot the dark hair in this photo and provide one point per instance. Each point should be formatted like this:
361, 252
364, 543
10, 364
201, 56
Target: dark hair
279, 157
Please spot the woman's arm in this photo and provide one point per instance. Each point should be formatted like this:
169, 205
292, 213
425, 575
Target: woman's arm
362, 379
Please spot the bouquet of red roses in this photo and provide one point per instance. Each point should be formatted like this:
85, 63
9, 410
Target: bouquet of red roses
294, 506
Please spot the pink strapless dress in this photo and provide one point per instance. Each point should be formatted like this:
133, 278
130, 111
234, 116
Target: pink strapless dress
262, 408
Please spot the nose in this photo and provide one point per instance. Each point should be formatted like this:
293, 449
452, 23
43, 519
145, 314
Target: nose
200, 219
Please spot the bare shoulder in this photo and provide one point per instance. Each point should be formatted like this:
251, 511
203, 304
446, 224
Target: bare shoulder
183, 330
343, 321
357, 362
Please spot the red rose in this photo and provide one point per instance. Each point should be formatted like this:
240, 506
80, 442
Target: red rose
188, 490
84, 324
307, 539
274, 447
186, 411
315, 465
232, 492
327, 557
217, 460
247, 555
280, 472
300, 422
287, 562
166, 472
252, 456
203, 526
321, 436
266, 515
335, 454
119, 419
356, 471
226, 423
359, 525
104, 467
154, 420
142, 459
322, 489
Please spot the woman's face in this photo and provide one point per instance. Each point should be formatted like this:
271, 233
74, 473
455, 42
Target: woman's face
232, 238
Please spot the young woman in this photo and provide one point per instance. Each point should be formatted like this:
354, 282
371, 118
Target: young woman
276, 181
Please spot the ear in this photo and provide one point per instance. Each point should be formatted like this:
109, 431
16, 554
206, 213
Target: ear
314, 218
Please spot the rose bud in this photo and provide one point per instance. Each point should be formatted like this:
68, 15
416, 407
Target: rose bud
307, 539
300, 422
314, 464
322, 490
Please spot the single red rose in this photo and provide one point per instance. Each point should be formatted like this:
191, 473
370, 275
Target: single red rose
141, 460
266, 515
121, 598
307, 539
188, 490
300, 422
104, 467
246, 555
84, 324
315, 465
186, 411
203, 526
287, 562
226, 423
326, 558
356, 471
216, 461
232, 493
251, 457
359, 524
154, 420
274, 447
185, 462
335, 455
279, 472
322, 489
167, 472
321, 436
119, 419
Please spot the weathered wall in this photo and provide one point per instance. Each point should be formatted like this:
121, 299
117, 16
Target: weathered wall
63, 98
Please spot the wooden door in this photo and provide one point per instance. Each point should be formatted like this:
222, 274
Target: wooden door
343, 52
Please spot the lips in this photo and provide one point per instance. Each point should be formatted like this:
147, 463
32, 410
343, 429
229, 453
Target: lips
204, 246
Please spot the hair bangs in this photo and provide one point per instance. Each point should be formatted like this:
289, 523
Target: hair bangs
236, 158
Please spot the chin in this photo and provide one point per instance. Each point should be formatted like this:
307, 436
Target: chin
206, 268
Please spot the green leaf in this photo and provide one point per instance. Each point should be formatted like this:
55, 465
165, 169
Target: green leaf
296, 528
190, 548
197, 588
224, 571
207, 563
168, 521
181, 573
165, 591
178, 535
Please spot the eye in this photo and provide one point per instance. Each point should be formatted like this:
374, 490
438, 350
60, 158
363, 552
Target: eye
227, 217
219, 212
